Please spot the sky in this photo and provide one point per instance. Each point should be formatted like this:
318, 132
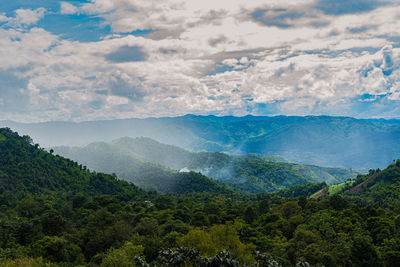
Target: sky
105, 59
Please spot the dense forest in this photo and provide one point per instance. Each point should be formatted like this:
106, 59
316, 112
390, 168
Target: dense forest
55, 212
137, 159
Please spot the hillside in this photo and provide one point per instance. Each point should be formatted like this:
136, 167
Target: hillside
54, 212
147, 175
380, 186
129, 158
25, 167
317, 140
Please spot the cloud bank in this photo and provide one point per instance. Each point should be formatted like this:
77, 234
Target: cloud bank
228, 57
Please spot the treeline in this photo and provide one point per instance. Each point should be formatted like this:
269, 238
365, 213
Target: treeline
103, 230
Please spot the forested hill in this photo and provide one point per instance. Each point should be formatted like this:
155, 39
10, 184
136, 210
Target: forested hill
379, 186
26, 168
134, 159
317, 140
56, 213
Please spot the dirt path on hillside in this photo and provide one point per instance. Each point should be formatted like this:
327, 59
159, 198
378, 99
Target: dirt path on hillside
322, 193
360, 187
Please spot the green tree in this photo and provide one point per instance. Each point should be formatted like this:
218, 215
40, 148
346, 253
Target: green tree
123, 256
58, 249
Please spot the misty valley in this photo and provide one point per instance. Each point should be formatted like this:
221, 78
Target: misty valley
155, 166
201, 191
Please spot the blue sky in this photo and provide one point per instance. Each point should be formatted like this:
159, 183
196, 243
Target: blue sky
101, 59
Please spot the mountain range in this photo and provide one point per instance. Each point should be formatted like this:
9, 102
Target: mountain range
319, 140
153, 165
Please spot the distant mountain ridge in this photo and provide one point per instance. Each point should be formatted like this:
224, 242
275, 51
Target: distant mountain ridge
26, 167
318, 140
140, 160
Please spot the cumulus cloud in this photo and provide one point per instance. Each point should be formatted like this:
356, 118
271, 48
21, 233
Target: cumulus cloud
25, 17
68, 9
220, 57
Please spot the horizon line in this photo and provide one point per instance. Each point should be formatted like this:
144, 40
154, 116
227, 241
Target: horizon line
201, 115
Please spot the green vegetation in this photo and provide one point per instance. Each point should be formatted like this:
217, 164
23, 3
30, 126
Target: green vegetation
27, 169
300, 190
145, 162
338, 188
54, 212
147, 175
316, 140
381, 186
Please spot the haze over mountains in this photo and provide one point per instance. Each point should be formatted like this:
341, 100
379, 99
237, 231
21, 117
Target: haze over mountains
27, 167
318, 140
153, 165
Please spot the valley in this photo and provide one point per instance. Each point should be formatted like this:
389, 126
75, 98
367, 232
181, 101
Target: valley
148, 163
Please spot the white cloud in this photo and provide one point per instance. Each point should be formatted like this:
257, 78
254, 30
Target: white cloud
3, 17
26, 17
68, 9
295, 68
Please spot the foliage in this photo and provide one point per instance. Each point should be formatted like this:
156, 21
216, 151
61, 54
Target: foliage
56, 213
381, 186
134, 167
22, 262
219, 238
145, 162
123, 256
26, 169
